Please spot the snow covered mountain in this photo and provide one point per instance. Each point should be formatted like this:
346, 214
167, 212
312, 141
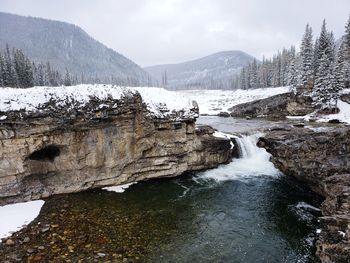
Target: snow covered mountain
67, 46
215, 71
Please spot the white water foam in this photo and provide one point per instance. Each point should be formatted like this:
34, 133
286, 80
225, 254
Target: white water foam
306, 206
253, 162
118, 188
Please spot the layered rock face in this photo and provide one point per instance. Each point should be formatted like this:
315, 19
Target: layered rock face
275, 107
62, 150
321, 159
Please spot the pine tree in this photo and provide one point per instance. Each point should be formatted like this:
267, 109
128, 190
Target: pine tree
67, 79
291, 76
242, 79
324, 90
40, 78
339, 68
29, 76
23, 69
276, 73
9, 77
253, 78
346, 40
285, 57
305, 77
2, 65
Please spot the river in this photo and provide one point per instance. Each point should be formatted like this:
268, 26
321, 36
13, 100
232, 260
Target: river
246, 211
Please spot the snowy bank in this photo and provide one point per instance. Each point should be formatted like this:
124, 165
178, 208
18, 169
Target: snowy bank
13, 99
159, 101
213, 102
342, 116
14, 216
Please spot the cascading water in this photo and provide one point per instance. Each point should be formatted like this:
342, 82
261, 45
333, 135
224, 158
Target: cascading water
253, 161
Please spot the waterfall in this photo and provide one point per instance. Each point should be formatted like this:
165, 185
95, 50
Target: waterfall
248, 148
253, 162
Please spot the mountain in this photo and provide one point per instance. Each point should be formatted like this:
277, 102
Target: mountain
215, 71
67, 46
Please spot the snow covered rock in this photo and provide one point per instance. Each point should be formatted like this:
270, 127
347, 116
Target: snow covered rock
43, 101
69, 139
276, 106
214, 102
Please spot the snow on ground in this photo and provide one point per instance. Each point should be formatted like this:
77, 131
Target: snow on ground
30, 99
118, 188
14, 216
342, 116
213, 102
12, 99
156, 97
210, 101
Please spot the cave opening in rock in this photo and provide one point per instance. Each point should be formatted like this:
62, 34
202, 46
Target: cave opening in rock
48, 153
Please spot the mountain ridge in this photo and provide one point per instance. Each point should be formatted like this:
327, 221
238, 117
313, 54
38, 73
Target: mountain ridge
67, 46
210, 72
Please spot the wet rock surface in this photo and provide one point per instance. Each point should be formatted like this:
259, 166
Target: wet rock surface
77, 147
320, 159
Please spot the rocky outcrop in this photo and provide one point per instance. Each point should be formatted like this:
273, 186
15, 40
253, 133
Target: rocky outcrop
334, 240
321, 159
115, 141
275, 107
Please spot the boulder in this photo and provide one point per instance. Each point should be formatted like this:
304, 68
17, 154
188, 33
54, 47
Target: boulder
277, 106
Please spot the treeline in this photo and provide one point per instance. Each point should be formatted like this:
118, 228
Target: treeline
320, 67
275, 72
18, 71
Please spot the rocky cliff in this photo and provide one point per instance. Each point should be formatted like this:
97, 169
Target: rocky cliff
72, 146
321, 159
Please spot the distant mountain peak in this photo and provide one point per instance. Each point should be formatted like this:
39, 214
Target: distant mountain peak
215, 71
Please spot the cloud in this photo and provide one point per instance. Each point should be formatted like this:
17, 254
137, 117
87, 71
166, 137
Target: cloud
168, 31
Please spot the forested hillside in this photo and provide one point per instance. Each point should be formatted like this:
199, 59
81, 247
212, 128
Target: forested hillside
18, 71
68, 47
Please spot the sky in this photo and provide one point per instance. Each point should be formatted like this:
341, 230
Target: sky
151, 32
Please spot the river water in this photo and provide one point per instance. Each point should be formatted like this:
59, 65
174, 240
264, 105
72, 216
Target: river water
246, 211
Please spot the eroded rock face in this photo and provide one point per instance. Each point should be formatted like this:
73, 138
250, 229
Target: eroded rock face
321, 159
334, 240
276, 107
69, 150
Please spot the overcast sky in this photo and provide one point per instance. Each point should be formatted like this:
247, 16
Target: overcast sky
168, 31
